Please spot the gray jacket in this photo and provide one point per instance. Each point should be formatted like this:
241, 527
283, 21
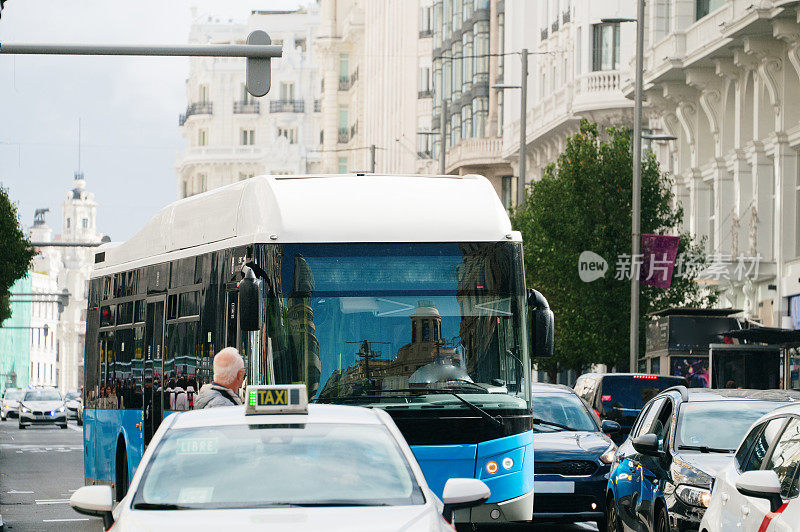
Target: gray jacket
213, 395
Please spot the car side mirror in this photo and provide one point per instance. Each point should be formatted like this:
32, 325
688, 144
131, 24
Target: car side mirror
541, 326
647, 444
609, 427
97, 501
463, 493
763, 485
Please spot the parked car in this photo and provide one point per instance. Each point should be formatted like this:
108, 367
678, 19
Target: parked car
661, 476
759, 488
10, 403
40, 406
620, 396
73, 399
573, 456
79, 416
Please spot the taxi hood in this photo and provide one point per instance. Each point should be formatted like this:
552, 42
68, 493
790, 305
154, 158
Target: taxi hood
419, 518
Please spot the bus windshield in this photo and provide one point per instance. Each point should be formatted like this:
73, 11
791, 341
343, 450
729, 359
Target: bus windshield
403, 324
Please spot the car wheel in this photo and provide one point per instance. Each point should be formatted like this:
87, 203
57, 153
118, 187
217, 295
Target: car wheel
662, 520
122, 474
64, 426
79, 421
21, 426
612, 523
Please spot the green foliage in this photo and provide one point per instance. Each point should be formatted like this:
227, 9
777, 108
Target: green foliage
583, 203
17, 253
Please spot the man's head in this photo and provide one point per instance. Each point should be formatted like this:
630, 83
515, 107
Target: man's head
229, 368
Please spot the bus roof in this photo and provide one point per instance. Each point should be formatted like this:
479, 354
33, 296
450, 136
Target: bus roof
317, 208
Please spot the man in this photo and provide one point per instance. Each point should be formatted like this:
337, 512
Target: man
228, 377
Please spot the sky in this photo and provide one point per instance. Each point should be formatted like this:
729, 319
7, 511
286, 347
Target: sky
128, 107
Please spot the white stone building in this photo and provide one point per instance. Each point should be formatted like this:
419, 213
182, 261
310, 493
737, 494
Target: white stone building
723, 77
230, 134
576, 69
44, 359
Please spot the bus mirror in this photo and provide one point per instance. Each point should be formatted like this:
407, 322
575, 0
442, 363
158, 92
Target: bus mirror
541, 327
249, 315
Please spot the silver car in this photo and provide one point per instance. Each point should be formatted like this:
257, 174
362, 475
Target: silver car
280, 464
73, 401
42, 406
10, 403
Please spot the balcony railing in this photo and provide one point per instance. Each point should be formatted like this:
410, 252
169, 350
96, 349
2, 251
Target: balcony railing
287, 106
554, 26
544, 34
600, 81
353, 130
246, 107
566, 16
425, 32
354, 77
317, 106
198, 108
344, 135
424, 93
344, 83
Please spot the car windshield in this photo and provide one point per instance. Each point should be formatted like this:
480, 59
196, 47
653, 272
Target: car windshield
42, 395
718, 424
631, 392
72, 395
15, 395
241, 466
380, 323
562, 410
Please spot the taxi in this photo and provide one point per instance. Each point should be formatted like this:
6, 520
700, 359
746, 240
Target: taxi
277, 462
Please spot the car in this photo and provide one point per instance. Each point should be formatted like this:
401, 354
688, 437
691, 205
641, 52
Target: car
662, 474
758, 489
10, 403
573, 454
279, 463
620, 396
73, 399
79, 414
42, 406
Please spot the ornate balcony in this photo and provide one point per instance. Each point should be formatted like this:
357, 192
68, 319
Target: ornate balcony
344, 135
197, 108
246, 107
287, 106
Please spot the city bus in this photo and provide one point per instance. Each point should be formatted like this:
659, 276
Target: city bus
405, 293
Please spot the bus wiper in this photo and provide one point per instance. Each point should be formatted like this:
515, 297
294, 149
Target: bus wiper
539, 421
467, 383
704, 449
497, 422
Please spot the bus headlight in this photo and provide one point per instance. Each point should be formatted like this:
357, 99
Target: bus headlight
507, 462
608, 456
491, 467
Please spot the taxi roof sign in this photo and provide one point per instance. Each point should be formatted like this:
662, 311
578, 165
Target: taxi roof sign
277, 399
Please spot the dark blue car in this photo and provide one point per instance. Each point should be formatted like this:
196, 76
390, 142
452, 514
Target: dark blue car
572, 453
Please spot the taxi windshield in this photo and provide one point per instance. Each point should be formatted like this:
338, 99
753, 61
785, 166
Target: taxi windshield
380, 324
253, 466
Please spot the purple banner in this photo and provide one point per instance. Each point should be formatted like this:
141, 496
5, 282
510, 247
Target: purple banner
658, 259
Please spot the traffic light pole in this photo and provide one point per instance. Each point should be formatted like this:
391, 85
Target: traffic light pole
258, 52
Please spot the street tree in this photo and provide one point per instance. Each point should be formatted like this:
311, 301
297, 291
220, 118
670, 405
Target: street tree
583, 203
16, 255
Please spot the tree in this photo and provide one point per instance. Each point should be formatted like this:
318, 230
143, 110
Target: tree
583, 203
17, 253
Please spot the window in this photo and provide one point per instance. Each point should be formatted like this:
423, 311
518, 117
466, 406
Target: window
425, 27
480, 112
481, 40
300, 43
289, 134
647, 417
506, 191
247, 137
762, 444
785, 459
342, 165
85, 223
578, 51
203, 93
424, 87
606, 47
68, 223
245, 175
704, 7
202, 137
287, 91
344, 67
185, 188
244, 96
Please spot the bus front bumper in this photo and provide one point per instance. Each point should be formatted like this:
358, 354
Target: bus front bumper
517, 509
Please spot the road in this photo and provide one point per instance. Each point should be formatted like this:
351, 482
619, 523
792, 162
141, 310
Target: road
40, 467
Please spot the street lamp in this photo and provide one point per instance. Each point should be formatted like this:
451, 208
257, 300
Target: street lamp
636, 204
523, 119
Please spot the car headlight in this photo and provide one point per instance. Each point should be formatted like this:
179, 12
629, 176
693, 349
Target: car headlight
608, 456
24, 409
61, 409
694, 495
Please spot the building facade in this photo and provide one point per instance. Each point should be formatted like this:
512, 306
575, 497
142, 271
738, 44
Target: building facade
15, 339
723, 77
577, 68
44, 309
230, 134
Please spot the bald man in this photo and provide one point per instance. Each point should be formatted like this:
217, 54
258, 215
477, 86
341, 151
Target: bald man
228, 377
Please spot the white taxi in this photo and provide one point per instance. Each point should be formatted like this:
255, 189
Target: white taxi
278, 463
758, 489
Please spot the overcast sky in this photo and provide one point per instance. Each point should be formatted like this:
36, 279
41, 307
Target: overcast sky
128, 106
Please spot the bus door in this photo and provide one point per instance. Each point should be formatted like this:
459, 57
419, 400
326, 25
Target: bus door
153, 367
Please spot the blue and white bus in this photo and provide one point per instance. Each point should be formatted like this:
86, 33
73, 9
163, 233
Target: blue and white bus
405, 293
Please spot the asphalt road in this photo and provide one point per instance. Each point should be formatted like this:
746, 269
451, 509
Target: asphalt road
40, 467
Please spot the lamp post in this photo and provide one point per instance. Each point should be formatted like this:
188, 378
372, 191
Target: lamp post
636, 203
523, 119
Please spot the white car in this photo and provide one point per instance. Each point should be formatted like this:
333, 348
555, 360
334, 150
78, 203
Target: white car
9, 406
279, 464
758, 489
